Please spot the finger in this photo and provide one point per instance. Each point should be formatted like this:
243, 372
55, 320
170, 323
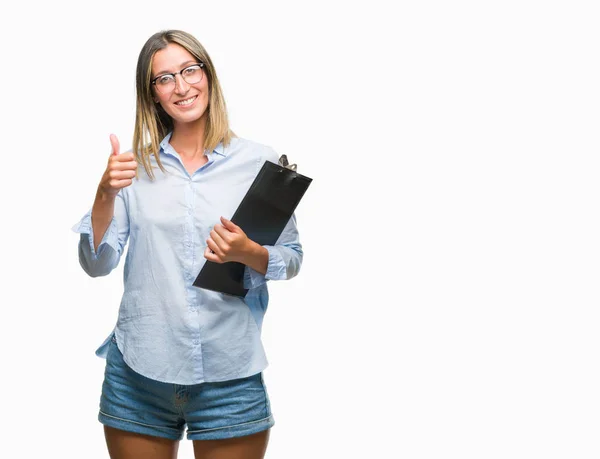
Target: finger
220, 235
230, 225
209, 255
123, 157
214, 247
117, 184
120, 165
121, 175
114, 142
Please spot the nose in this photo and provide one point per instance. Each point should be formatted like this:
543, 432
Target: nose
181, 87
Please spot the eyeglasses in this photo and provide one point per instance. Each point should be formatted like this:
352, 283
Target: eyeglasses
192, 74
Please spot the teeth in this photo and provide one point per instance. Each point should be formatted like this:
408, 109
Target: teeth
186, 101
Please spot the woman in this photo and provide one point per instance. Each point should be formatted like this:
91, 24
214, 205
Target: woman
181, 356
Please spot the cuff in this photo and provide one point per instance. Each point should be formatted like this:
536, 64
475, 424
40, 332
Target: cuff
276, 270
110, 238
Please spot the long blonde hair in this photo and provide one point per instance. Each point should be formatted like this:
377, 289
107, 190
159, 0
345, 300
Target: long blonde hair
152, 123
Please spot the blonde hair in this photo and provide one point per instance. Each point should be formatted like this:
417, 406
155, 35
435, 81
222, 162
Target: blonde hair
152, 123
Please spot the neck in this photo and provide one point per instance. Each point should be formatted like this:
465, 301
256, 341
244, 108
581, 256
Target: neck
188, 138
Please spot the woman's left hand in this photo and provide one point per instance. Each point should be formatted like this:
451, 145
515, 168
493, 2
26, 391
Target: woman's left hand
227, 242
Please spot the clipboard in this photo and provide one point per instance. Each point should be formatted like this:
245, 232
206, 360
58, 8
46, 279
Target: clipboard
263, 213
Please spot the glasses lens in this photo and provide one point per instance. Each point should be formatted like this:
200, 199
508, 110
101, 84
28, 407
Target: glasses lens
192, 74
165, 84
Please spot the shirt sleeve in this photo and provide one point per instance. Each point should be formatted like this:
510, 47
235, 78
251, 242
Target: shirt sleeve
106, 258
285, 258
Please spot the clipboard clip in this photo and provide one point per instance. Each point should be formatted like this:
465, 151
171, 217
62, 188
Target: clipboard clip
283, 161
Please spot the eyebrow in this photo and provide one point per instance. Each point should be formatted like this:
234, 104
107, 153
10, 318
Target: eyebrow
181, 67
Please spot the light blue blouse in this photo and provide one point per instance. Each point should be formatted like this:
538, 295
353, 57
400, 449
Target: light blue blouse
167, 329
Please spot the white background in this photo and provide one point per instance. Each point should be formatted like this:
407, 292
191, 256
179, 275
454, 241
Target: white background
448, 302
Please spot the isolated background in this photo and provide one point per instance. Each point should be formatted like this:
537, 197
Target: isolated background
448, 302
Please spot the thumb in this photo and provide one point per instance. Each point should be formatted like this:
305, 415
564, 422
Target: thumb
114, 142
229, 225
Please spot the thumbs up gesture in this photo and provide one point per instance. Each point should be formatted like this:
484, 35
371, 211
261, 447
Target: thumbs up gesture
120, 171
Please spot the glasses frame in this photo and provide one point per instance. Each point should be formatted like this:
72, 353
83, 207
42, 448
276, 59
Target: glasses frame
180, 73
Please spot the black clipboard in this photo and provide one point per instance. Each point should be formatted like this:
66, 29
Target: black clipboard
263, 213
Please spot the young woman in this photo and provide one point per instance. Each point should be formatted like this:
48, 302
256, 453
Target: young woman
179, 356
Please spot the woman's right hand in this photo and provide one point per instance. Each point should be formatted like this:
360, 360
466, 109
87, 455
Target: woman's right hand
120, 171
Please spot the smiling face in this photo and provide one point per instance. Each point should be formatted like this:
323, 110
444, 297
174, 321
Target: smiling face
186, 103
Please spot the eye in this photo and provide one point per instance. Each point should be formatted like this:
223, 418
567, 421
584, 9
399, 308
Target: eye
165, 79
191, 70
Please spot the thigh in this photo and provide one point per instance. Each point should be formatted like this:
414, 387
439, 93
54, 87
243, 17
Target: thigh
248, 447
131, 402
228, 409
131, 445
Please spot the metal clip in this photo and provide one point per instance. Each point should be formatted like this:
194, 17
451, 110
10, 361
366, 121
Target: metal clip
283, 161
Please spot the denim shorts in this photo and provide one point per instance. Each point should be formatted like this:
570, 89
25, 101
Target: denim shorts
210, 410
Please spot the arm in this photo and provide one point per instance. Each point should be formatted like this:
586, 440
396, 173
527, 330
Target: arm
102, 214
104, 230
100, 249
284, 261
227, 242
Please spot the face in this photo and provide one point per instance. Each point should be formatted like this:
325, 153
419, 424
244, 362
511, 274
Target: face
185, 103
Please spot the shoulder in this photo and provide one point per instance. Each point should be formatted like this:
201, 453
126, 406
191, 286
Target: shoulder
251, 149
